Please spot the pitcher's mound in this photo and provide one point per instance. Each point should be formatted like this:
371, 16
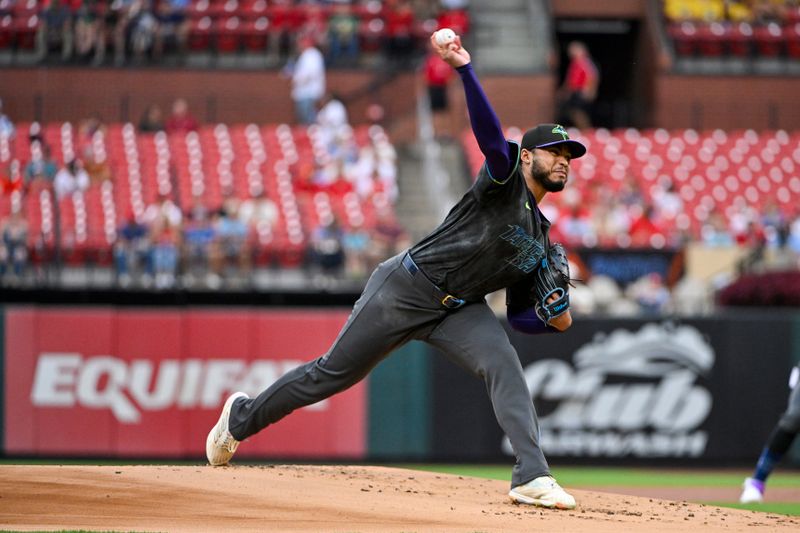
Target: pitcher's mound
323, 498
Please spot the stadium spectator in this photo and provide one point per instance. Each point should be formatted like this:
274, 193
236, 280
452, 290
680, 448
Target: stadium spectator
231, 245
164, 208
766, 11
399, 29
576, 226
308, 80
388, 237
714, 232
342, 36
119, 16
13, 247
166, 242
644, 231
776, 225
11, 180
42, 165
793, 239
88, 29
96, 165
356, 243
198, 239
666, 200
55, 30
258, 210
332, 120
454, 15
180, 121
7, 128
755, 242
143, 26
173, 27
579, 90
612, 222
650, 293
35, 134
313, 20
152, 119
132, 252
70, 179
88, 129
437, 76
630, 193
327, 248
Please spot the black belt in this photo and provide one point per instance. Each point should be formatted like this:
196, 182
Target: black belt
447, 300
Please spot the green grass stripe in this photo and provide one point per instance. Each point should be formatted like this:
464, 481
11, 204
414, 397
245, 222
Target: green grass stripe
788, 508
622, 477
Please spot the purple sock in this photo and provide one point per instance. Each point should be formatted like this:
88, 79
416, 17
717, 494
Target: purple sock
757, 483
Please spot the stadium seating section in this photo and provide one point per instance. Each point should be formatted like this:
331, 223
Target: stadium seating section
244, 159
710, 171
232, 26
706, 28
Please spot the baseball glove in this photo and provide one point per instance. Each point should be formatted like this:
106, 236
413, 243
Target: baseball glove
551, 284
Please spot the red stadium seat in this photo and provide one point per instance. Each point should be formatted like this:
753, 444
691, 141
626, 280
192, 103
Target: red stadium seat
229, 35
201, 34
255, 34
25, 29
684, 37
199, 9
740, 39
26, 8
711, 39
769, 40
372, 33
254, 9
6, 31
793, 41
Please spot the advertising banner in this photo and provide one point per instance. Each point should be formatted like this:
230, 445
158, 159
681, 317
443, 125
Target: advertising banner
151, 383
699, 391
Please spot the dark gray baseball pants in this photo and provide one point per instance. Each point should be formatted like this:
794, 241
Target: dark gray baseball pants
790, 419
395, 308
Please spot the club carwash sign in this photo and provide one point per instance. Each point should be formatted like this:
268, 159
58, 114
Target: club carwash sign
634, 394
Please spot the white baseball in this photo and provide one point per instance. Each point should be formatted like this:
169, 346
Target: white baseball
445, 36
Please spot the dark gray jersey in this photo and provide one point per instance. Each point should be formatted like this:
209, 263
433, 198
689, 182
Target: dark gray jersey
494, 237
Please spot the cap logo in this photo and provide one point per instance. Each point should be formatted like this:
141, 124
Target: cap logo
559, 130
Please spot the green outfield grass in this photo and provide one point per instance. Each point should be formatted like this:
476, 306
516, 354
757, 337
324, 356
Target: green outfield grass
621, 477
640, 477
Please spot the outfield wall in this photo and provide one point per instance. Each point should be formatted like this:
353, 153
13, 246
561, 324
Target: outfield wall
105, 381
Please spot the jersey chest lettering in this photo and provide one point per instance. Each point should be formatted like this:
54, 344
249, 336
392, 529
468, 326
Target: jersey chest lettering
529, 250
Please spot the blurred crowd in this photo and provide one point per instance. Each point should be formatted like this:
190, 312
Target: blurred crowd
203, 243
752, 11
595, 216
122, 32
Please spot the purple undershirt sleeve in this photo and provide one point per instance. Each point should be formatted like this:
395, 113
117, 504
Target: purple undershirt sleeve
485, 125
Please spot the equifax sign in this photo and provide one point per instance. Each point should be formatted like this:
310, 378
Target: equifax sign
129, 387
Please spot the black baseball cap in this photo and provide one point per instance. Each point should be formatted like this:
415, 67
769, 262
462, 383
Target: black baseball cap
545, 135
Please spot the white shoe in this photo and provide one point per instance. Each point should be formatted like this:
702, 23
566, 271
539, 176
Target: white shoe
543, 492
752, 491
220, 444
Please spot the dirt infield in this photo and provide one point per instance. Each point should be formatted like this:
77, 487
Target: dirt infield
324, 499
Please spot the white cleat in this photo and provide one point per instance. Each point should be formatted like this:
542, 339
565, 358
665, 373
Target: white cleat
543, 492
220, 444
752, 491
